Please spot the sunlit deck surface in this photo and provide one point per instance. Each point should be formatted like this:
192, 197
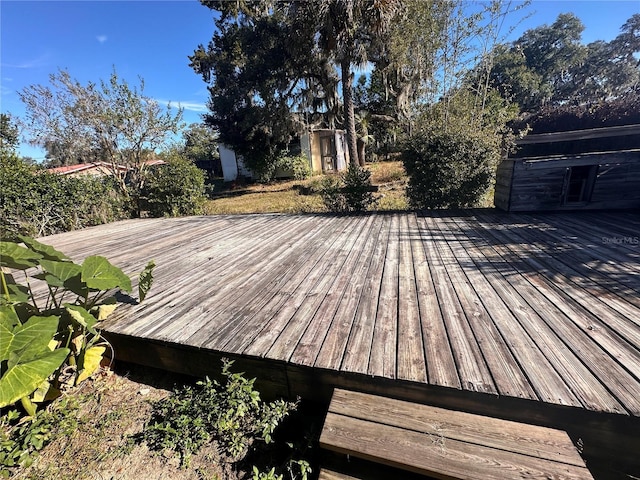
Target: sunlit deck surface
534, 317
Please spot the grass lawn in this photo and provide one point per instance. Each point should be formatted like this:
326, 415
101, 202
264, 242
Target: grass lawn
289, 196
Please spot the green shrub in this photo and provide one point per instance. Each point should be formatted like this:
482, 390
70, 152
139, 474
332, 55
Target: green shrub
297, 166
450, 169
284, 166
349, 192
174, 189
37, 203
231, 413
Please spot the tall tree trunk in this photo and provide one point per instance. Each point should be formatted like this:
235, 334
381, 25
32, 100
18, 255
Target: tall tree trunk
362, 146
349, 114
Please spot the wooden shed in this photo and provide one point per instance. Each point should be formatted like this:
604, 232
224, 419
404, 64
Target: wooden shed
326, 149
576, 181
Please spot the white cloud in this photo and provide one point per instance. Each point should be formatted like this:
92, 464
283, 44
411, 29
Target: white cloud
101, 38
37, 62
191, 106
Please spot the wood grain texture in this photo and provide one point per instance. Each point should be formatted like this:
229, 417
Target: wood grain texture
539, 183
541, 308
446, 444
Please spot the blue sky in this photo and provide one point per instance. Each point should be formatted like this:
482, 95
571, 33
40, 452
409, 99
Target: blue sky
152, 39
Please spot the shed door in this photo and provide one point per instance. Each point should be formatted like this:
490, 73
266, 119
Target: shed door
327, 151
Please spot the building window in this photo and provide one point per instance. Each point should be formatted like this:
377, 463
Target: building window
579, 182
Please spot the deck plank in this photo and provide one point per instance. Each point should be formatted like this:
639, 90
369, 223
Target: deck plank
569, 350
308, 300
357, 354
441, 367
383, 356
505, 368
411, 360
325, 324
529, 307
305, 278
332, 350
472, 368
446, 444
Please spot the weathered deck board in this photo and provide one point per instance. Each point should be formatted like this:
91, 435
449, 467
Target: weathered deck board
446, 444
533, 307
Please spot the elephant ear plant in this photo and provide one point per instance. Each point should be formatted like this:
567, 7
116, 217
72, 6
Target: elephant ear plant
48, 335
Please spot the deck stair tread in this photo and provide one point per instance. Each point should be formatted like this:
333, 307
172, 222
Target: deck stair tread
326, 474
446, 444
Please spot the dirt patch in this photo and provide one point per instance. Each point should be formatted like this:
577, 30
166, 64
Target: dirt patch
114, 406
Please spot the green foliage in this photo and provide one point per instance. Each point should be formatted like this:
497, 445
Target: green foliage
201, 147
145, 280
294, 166
231, 413
174, 189
449, 169
285, 166
37, 203
41, 333
349, 192
8, 134
270, 475
549, 65
27, 361
109, 121
20, 441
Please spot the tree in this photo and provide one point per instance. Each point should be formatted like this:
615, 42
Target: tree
9, 136
254, 70
201, 147
351, 32
109, 121
272, 67
549, 66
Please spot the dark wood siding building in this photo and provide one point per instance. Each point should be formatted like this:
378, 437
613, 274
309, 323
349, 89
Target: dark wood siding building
576, 181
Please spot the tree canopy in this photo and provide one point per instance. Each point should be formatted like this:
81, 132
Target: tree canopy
549, 65
9, 136
108, 121
276, 68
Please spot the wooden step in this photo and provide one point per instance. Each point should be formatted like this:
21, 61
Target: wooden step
446, 444
326, 474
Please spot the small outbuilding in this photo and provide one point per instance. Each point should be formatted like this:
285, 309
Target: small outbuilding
577, 181
325, 149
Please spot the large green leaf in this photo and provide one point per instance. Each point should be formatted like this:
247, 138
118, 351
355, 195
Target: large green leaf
47, 251
106, 308
28, 340
8, 318
17, 292
90, 362
23, 378
145, 280
15, 256
99, 274
63, 275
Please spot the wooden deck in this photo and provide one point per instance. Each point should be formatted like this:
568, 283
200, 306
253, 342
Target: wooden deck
528, 317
